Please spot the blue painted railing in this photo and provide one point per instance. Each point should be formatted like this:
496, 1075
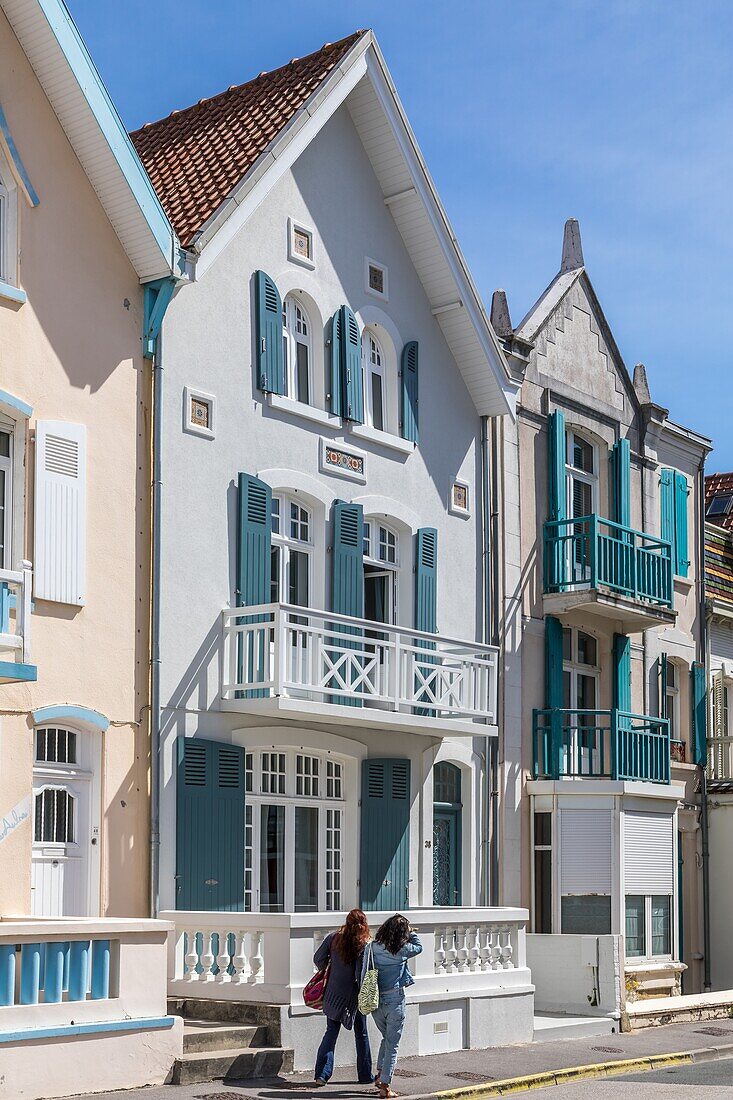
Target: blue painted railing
592, 552
54, 971
600, 744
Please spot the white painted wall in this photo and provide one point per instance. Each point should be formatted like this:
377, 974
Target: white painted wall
577, 974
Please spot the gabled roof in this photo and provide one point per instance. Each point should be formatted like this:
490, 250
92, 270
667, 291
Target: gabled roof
66, 72
195, 157
214, 162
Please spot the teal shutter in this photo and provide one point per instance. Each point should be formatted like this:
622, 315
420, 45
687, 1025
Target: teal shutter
347, 590
699, 714
681, 552
409, 392
663, 663
209, 826
620, 459
556, 468
269, 358
336, 382
254, 537
622, 672
666, 504
426, 579
351, 369
385, 834
548, 751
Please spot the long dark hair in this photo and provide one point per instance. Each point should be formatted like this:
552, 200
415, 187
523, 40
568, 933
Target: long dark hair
394, 933
353, 936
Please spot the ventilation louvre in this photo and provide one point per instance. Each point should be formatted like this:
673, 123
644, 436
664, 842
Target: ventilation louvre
230, 768
399, 781
62, 456
375, 781
194, 765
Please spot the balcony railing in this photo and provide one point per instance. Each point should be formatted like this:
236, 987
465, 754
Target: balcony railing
720, 758
15, 612
269, 956
286, 650
600, 744
591, 552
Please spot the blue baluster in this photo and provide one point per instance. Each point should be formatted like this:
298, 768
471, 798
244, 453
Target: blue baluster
4, 608
79, 970
56, 954
100, 969
30, 973
7, 974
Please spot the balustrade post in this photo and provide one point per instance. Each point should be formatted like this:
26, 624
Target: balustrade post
279, 650
394, 679
23, 609
207, 955
191, 957
593, 550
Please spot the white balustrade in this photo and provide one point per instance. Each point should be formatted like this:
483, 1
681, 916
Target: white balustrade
15, 611
284, 650
268, 957
720, 758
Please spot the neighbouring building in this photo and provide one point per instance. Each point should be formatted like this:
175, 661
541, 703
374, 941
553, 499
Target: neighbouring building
328, 686
81, 231
719, 608
603, 730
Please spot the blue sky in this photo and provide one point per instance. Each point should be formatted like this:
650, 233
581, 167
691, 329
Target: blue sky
618, 113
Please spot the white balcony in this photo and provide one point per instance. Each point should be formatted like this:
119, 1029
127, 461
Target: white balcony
296, 662
15, 624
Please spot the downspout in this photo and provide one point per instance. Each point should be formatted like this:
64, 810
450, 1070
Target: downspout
490, 862
705, 654
155, 718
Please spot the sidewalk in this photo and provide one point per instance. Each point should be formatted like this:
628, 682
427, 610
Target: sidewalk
465, 1069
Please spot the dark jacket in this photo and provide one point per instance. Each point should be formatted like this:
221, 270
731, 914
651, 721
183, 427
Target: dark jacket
342, 989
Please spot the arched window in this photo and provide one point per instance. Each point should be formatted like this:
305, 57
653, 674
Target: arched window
297, 351
375, 383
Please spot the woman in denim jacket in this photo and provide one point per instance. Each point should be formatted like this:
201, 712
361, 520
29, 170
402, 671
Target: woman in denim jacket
394, 945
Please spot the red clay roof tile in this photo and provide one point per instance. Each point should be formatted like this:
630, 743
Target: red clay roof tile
195, 157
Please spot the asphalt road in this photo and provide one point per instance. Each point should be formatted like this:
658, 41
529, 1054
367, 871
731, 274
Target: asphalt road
704, 1081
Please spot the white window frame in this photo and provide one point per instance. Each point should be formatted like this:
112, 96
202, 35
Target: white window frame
373, 528
648, 955
673, 701
382, 295
379, 370
287, 543
292, 338
574, 473
7, 465
327, 899
294, 225
576, 668
189, 395
8, 225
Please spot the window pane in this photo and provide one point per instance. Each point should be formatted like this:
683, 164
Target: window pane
543, 889
301, 374
588, 915
275, 516
272, 859
298, 578
275, 574
4, 445
377, 405
567, 641
586, 692
333, 859
542, 829
634, 926
661, 925
582, 454
306, 859
587, 649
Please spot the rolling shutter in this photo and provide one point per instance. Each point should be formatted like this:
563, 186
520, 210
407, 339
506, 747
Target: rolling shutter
209, 826
335, 378
410, 391
649, 856
620, 459
353, 385
585, 851
59, 553
385, 834
269, 358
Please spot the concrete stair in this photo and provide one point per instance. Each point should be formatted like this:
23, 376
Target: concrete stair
227, 1040
555, 1025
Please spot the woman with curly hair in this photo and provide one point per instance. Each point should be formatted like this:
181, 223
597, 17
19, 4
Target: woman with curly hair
345, 951
394, 945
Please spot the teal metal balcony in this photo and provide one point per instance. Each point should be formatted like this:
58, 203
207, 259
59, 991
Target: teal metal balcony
594, 560
600, 744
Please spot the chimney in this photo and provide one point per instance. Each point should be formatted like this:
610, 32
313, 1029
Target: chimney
641, 385
500, 319
572, 248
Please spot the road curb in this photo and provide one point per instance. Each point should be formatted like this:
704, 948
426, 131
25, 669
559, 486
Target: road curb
547, 1078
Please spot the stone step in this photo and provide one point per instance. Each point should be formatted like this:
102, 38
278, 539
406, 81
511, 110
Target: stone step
233, 1065
551, 1025
201, 1035
229, 1012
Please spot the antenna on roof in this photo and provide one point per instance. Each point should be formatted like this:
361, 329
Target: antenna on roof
500, 320
572, 248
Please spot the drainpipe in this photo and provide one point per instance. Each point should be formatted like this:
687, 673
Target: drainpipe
155, 631
704, 651
490, 863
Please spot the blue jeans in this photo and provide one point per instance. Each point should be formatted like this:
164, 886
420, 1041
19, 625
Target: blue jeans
324, 1058
390, 1020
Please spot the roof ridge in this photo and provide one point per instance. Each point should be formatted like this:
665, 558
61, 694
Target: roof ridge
181, 112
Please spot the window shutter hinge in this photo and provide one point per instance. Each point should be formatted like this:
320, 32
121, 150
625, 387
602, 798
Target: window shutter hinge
264, 344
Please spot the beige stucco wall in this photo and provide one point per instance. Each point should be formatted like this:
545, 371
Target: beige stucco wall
573, 367
73, 352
